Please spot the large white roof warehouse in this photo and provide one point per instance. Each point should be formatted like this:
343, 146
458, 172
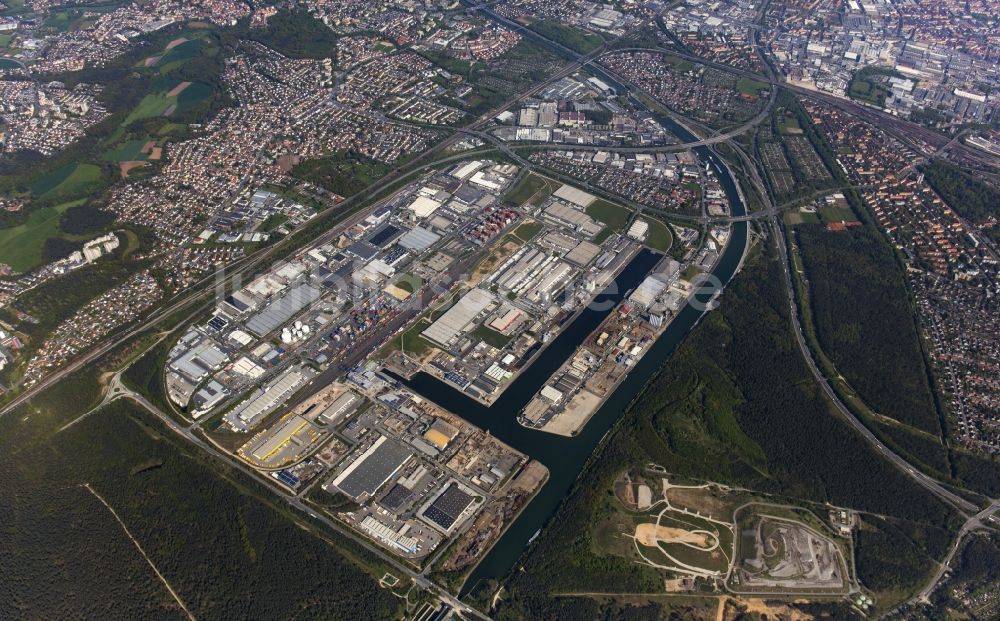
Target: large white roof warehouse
575, 196
424, 206
457, 318
465, 170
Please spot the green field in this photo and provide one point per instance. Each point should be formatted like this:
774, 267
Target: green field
659, 237
491, 337
172, 128
21, 246
579, 41
837, 214
5, 39
127, 151
526, 231
690, 272
6, 63
409, 282
678, 64
180, 54
870, 84
788, 125
410, 341
746, 86
272, 222
614, 216
533, 188
63, 20
159, 104
72, 179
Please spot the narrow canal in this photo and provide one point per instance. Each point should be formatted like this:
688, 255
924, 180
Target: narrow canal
565, 457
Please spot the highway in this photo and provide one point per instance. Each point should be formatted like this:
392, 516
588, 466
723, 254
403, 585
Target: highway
901, 129
188, 434
772, 213
190, 304
901, 464
228, 277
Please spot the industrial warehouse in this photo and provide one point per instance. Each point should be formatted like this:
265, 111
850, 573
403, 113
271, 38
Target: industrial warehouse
297, 370
265, 374
565, 403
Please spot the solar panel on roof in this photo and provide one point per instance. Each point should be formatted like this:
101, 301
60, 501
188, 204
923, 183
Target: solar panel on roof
383, 235
217, 323
237, 304
439, 517
448, 507
396, 497
362, 250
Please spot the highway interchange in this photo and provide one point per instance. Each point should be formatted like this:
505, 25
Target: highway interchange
198, 299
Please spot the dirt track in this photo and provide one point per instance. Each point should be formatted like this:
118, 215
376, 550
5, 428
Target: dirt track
177, 90
650, 534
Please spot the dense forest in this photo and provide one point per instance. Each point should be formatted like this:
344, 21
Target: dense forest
735, 404
297, 34
215, 536
345, 173
84, 219
970, 197
895, 555
865, 322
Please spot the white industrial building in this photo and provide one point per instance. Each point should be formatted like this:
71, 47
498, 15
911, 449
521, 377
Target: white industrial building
457, 319
265, 400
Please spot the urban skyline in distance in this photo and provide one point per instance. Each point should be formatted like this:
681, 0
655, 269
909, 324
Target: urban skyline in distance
508, 309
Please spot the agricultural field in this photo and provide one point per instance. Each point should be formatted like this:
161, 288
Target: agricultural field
174, 96
68, 181
21, 247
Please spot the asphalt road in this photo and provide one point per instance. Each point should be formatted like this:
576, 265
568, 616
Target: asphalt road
194, 302
297, 503
973, 523
901, 464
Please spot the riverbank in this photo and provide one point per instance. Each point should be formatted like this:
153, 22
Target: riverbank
604, 280
577, 411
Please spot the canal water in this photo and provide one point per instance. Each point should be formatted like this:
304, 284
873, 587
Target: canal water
565, 457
